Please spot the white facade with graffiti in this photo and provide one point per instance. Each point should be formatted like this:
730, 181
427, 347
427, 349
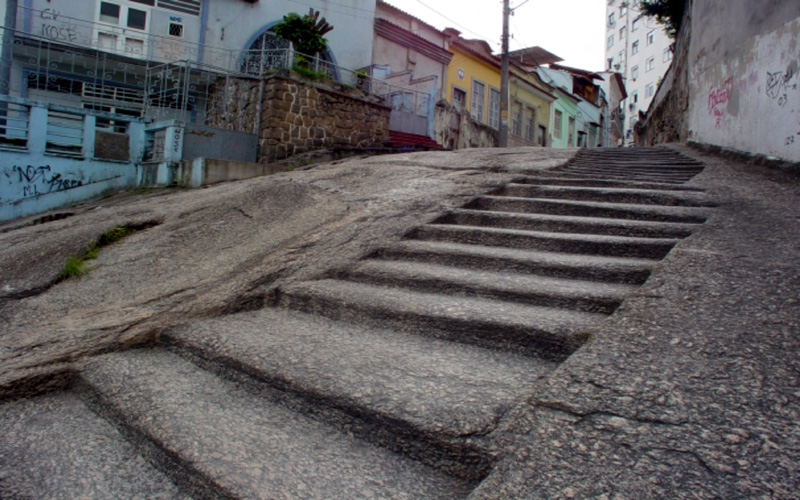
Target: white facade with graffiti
745, 82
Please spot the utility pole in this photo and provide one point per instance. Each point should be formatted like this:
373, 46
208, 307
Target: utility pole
503, 136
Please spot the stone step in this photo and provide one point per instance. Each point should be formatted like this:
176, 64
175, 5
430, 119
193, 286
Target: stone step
589, 244
665, 163
585, 267
605, 194
549, 333
55, 447
637, 170
514, 287
684, 215
223, 440
566, 224
405, 392
624, 173
553, 180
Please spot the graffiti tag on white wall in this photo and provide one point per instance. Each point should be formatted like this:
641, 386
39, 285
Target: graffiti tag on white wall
40, 180
780, 83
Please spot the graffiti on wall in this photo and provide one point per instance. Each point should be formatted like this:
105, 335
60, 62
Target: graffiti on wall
55, 29
40, 180
720, 97
781, 83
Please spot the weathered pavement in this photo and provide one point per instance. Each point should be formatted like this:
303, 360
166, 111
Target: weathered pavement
410, 329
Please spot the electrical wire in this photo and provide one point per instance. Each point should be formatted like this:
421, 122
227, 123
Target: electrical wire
494, 41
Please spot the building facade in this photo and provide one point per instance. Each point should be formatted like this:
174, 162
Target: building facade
639, 49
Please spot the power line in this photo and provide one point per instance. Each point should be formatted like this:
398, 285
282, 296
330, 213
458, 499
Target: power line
494, 41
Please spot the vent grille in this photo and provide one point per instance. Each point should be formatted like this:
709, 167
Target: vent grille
185, 6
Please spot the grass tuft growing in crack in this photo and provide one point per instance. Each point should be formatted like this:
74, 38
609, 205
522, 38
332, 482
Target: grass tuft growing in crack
75, 267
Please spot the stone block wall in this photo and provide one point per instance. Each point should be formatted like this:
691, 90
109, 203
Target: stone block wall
300, 116
233, 105
455, 129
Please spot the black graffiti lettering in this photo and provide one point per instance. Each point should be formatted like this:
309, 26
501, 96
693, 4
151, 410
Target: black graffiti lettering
32, 177
775, 84
31, 173
50, 14
56, 183
59, 33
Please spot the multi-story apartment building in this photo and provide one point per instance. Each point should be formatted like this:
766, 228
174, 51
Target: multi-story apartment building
639, 49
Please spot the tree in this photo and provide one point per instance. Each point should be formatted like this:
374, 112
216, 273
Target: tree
667, 12
305, 32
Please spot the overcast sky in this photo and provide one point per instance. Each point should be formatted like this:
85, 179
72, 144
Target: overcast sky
571, 29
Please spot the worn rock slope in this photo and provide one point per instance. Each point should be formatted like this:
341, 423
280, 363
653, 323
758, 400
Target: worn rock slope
398, 328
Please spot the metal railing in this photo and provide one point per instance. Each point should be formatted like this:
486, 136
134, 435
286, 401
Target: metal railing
65, 59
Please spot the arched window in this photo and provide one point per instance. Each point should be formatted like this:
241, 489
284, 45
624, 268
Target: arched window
268, 52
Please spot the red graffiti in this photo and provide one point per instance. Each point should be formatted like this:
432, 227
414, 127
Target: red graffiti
717, 99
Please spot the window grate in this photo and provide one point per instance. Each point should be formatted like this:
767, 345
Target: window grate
176, 30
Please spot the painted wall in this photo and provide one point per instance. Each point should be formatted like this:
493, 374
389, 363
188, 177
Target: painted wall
463, 70
234, 24
744, 76
524, 90
78, 22
34, 180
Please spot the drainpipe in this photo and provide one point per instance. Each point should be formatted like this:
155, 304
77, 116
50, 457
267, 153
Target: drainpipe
8, 46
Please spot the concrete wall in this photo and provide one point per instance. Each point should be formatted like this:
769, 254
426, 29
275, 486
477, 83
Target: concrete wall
34, 180
210, 142
455, 129
744, 78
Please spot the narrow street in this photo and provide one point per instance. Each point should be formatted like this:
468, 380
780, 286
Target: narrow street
623, 325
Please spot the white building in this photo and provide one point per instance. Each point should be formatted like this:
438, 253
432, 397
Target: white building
639, 49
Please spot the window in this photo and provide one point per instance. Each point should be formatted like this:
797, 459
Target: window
623, 9
146, 2
516, 121
651, 37
635, 97
635, 24
494, 108
649, 90
622, 32
667, 57
530, 126
571, 136
109, 13
649, 64
611, 20
134, 46
176, 29
610, 62
478, 99
557, 124
107, 41
459, 98
621, 56
635, 47
541, 139
634, 73
610, 41
137, 19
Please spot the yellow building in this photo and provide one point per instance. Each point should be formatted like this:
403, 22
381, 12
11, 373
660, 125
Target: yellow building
473, 79
528, 109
